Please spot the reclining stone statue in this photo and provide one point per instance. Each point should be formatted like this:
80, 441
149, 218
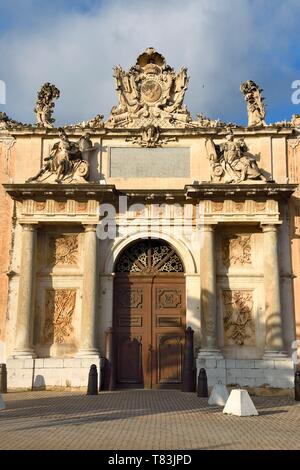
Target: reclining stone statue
230, 162
64, 163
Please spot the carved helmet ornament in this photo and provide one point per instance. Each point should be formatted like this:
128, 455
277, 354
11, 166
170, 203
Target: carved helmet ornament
150, 93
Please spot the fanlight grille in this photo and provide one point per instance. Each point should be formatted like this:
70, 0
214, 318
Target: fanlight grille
149, 257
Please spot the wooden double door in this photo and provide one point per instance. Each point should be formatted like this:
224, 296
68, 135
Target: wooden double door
149, 325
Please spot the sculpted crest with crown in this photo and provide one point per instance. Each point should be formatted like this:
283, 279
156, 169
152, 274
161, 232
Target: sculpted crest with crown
150, 93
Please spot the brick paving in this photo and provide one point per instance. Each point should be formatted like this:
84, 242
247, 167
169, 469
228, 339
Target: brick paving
143, 419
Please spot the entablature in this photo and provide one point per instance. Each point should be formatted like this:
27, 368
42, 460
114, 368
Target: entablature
213, 203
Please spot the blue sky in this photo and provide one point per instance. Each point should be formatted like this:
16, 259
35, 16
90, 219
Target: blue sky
76, 43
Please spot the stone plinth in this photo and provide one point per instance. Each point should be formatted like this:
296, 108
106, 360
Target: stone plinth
253, 373
49, 373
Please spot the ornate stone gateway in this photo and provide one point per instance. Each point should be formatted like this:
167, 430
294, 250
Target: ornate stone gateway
149, 316
220, 195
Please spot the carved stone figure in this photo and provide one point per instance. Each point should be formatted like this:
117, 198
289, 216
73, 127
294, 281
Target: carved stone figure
150, 93
255, 103
64, 164
151, 137
230, 162
45, 105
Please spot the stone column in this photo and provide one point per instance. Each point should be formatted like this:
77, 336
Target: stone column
209, 293
25, 309
89, 294
274, 337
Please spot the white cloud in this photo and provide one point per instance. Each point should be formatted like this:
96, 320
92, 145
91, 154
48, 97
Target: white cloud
221, 42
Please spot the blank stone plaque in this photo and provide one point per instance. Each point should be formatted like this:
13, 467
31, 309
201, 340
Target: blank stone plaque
149, 162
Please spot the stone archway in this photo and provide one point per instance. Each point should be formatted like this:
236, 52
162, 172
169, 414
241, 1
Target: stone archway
149, 315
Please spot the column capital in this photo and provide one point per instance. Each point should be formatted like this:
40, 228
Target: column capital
90, 227
208, 227
269, 227
29, 227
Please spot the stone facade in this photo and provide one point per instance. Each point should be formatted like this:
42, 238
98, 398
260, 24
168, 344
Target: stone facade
237, 187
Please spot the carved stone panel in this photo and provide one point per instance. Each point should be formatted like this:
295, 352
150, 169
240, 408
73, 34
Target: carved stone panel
238, 321
59, 313
236, 250
63, 250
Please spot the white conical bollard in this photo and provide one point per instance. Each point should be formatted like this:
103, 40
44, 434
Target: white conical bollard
219, 395
2, 404
239, 403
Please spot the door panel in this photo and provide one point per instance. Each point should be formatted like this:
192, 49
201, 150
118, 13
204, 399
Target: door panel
132, 315
129, 359
169, 358
168, 326
149, 324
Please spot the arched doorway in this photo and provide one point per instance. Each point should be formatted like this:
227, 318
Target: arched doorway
149, 315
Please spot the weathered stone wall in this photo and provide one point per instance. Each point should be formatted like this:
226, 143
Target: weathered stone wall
7, 168
293, 164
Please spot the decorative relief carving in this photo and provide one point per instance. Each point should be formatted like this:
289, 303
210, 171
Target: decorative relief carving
131, 298
59, 309
236, 250
217, 206
150, 93
39, 206
81, 207
260, 206
238, 206
168, 298
238, 322
293, 167
60, 206
151, 137
63, 250
8, 143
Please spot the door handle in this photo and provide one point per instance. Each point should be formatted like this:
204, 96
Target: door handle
150, 347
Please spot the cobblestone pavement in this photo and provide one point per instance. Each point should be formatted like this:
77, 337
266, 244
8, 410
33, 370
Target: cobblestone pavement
142, 419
